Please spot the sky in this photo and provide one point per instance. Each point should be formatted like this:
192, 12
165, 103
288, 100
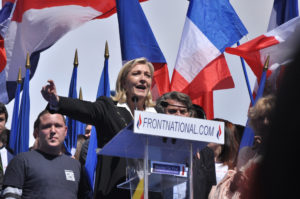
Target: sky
166, 18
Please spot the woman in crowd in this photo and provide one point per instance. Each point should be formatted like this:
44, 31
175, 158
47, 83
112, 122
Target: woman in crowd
226, 154
276, 174
225, 159
236, 182
109, 116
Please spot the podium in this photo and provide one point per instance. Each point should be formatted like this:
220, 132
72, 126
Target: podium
159, 149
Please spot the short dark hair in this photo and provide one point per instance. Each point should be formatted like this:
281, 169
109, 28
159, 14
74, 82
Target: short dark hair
3, 110
174, 95
38, 121
198, 112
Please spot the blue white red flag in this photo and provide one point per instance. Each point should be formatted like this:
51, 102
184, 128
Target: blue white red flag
36, 25
283, 11
277, 43
5, 14
201, 68
137, 40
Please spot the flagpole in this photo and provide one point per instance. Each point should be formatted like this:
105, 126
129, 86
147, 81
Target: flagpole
103, 90
248, 135
71, 138
14, 123
246, 77
22, 138
262, 82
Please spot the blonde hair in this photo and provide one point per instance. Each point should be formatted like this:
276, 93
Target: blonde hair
260, 111
120, 90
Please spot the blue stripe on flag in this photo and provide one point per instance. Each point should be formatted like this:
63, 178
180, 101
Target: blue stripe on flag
222, 28
248, 136
22, 143
137, 38
283, 11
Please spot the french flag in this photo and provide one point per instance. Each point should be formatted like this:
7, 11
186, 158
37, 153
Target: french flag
36, 25
278, 43
201, 68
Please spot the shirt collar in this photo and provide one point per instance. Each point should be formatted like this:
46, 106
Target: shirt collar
125, 105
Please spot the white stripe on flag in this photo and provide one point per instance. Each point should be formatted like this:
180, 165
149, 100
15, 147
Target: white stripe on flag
287, 35
39, 29
195, 51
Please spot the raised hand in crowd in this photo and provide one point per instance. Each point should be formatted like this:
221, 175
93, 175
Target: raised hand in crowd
49, 93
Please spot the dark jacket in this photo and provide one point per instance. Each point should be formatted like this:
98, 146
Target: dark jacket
204, 174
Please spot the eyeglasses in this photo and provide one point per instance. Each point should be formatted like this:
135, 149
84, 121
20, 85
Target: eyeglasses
174, 111
166, 104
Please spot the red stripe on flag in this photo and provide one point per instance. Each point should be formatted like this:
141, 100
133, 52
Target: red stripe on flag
106, 7
5, 1
214, 76
180, 83
2, 54
250, 51
24, 5
161, 78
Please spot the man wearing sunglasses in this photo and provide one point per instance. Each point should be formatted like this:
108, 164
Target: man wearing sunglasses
174, 103
204, 177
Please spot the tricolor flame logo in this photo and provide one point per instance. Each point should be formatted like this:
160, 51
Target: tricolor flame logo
219, 132
139, 123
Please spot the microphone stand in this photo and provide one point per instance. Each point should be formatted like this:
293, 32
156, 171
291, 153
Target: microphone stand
135, 100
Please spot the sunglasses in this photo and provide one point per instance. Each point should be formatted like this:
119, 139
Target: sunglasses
173, 111
166, 104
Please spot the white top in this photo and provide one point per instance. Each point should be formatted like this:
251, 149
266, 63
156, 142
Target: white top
148, 109
6, 157
221, 171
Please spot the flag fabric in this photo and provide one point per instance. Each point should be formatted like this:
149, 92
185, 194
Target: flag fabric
91, 159
283, 11
278, 43
71, 138
2, 54
5, 14
22, 141
137, 40
201, 68
36, 25
14, 121
206, 100
104, 86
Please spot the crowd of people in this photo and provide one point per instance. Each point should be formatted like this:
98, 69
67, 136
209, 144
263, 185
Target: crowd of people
219, 171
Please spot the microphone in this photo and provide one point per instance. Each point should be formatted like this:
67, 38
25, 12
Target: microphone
135, 99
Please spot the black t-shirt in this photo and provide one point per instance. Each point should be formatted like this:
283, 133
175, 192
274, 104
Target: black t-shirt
41, 175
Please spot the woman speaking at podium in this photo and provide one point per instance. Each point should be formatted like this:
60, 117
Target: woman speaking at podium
109, 116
